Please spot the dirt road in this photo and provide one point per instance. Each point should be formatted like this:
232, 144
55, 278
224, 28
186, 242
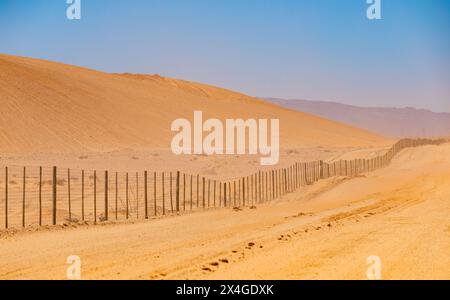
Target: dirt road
325, 231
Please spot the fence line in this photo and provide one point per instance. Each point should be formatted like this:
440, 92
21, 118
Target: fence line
72, 195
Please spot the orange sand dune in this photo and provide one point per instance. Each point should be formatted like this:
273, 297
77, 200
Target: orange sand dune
53, 107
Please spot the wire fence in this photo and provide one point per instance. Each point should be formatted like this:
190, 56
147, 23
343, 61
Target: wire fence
38, 196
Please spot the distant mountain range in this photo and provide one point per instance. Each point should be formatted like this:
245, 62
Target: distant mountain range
390, 122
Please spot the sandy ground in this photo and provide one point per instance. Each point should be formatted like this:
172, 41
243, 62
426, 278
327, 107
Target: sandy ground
324, 231
219, 167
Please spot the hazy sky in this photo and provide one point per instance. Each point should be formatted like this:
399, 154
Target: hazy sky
308, 49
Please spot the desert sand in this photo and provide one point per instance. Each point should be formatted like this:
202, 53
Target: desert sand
72, 117
50, 107
326, 230
54, 114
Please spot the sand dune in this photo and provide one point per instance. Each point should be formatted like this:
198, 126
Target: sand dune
57, 108
323, 231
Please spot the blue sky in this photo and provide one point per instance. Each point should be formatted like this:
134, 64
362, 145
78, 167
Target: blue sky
309, 49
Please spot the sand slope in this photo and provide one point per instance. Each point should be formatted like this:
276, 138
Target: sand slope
53, 107
324, 231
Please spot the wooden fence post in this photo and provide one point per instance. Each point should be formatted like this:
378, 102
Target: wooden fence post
171, 198
184, 192
95, 197
163, 195
40, 196
68, 195
301, 179
294, 178
137, 195
277, 175
116, 195
315, 171
249, 190
273, 179
263, 195
272, 185
251, 199
178, 192
229, 195
257, 188
311, 172
203, 192
106, 197
225, 194
6, 197
279, 183
243, 191
82, 195
255, 184
234, 193
291, 168
220, 194
54, 192
321, 175
191, 193
290, 179
214, 194
154, 194
23, 197
209, 193
146, 194
198, 187
285, 181
308, 173
261, 187
126, 197
300, 175
239, 193
267, 191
